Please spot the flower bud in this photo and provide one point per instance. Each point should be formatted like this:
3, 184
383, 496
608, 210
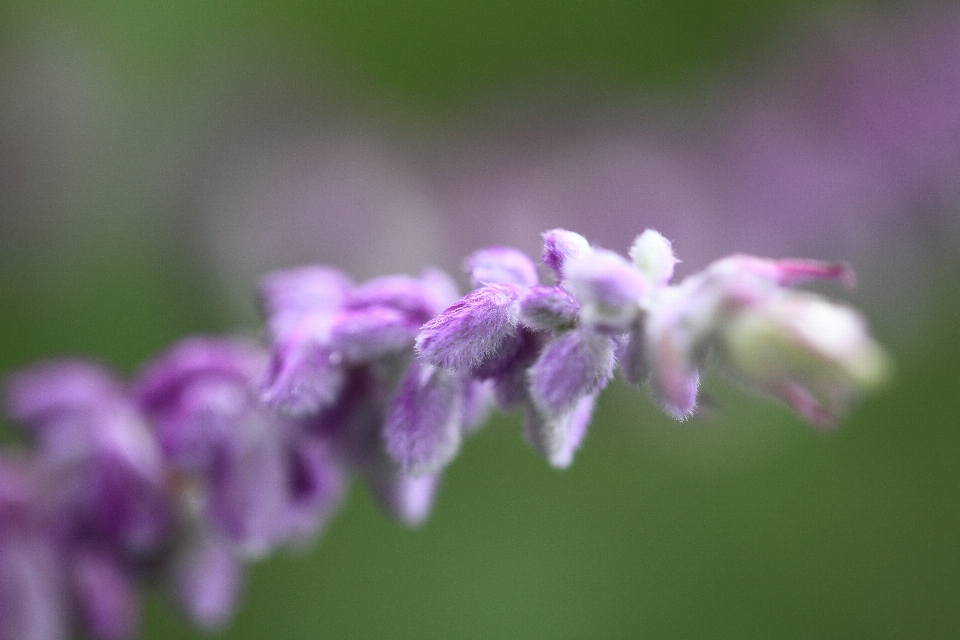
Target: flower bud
815, 355
652, 255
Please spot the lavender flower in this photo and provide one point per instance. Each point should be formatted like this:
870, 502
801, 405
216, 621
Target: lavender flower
256, 479
531, 340
553, 349
33, 594
388, 415
221, 451
106, 510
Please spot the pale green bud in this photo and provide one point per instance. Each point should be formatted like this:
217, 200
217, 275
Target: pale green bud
653, 256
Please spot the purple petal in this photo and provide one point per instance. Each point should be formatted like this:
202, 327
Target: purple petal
203, 418
510, 382
207, 579
161, 381
315, 487
248, 492
501, 265
673, 376
354, 424
422, 431
286, 296
304, 376
45, 390
558, 436
418, 299
32, 593
371, 333
128, 508
406, 498
472, 331
607, 287
559, 245
548, 309
573, 365
478, 397
106, 596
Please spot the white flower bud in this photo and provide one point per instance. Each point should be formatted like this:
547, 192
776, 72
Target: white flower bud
653, 256
816, 355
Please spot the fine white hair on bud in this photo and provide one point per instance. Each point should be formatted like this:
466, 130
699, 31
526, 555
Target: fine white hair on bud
652, 255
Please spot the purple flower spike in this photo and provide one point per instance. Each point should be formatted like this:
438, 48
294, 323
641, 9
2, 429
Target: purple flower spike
423, 425
573, 365
608, 289
472, 331
559, 246
548, 309
206, 580
557, 437
501, 265
105, 595
96, 441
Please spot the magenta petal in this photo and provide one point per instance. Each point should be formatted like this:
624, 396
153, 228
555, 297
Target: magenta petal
472, 331
575, 364
206, 578
106, 596
423, 426
558, 437
501, 265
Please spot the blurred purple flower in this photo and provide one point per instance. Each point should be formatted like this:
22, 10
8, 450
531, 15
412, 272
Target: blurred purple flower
385, 414
255, 474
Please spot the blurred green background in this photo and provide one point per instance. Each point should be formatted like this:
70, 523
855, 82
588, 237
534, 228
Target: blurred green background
743, 524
